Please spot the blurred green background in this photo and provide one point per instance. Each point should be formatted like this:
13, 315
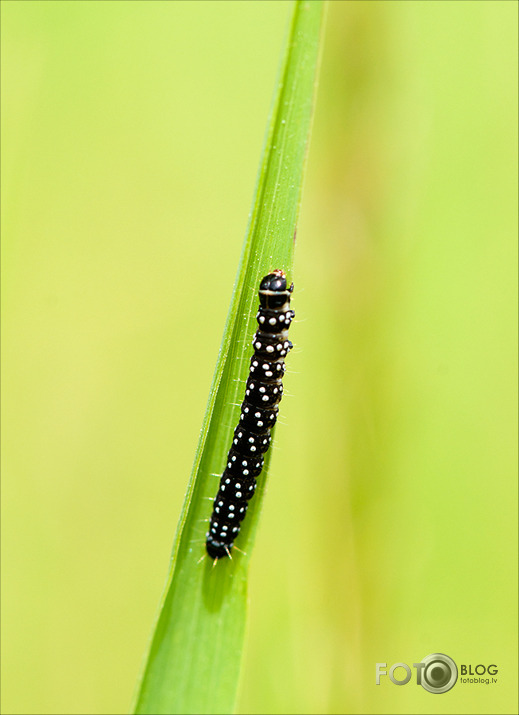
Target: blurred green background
131, 136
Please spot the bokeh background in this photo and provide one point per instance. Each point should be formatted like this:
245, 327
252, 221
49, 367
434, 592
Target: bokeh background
131, 137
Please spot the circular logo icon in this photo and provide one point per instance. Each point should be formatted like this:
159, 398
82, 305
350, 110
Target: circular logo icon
439, 674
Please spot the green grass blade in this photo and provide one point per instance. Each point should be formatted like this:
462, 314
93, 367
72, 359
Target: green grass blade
195, 654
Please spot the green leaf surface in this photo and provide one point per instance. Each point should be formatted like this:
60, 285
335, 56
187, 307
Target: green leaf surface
194, 659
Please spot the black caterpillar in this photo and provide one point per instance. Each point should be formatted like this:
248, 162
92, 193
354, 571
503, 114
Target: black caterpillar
259, 412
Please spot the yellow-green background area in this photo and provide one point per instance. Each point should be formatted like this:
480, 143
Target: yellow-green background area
132, 133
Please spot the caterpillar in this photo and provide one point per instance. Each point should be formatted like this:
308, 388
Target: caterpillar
259, 411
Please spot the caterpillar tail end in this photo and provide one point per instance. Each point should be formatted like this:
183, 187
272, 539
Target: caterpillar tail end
217, 550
